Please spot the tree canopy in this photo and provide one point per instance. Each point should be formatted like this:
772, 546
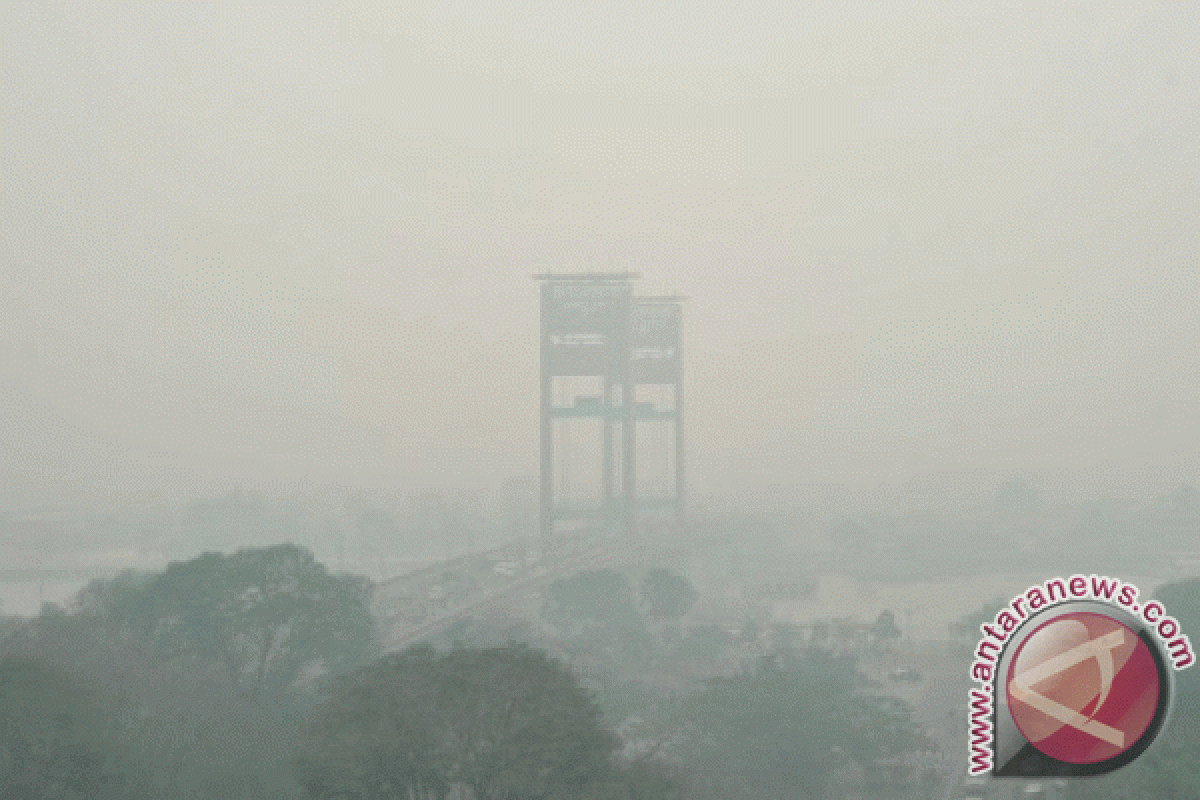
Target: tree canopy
596, 610
265, 616
505, 722
667, 595
182, 651
594, 598
780, 729
885, 628
54, 735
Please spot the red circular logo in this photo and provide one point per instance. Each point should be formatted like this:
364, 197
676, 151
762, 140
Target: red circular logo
1083, 688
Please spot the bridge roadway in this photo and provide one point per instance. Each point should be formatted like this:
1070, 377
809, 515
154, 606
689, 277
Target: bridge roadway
597, 551
600, 551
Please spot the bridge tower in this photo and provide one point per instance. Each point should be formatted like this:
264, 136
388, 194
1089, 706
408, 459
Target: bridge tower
656, 359
592, 326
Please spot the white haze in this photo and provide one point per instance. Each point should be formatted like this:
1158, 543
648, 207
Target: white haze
258, 243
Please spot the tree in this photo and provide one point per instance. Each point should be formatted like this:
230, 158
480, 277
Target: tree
54, 735
183, 651
667, 595
885, 629
505, 722
649, 779
780, 731
598, 606
376, 733
88, 644
264, 616
586, 599
522, 726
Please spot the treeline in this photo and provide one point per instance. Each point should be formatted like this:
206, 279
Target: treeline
202, 675
260, 675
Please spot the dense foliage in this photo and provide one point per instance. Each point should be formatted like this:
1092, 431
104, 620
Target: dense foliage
781, 728
259, 675
54, 736
506, 722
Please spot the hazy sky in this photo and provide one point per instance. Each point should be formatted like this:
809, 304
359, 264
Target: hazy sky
914, 236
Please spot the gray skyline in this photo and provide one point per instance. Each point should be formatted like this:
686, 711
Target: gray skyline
269, 242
